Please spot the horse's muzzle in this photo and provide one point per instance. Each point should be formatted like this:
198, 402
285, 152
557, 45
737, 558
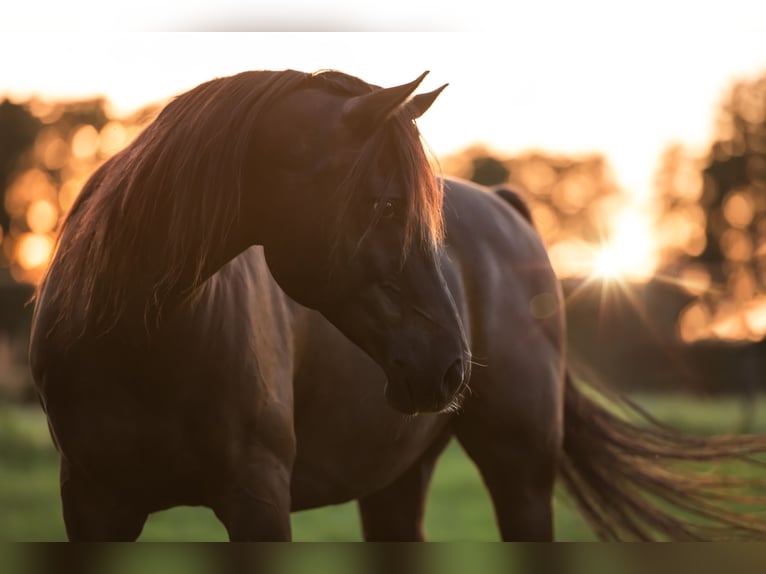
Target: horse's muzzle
411, 392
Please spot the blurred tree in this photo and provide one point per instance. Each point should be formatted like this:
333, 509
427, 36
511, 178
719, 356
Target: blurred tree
570, 197
18, 130
713, 217
681, 219
68, 142
489, 171
734, 193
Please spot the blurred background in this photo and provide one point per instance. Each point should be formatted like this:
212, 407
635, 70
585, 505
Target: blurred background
638, 140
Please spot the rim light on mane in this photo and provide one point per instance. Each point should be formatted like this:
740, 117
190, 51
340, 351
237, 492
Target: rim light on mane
168, 202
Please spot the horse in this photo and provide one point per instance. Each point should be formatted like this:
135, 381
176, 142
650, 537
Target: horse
269, 303
525, 420
328, 175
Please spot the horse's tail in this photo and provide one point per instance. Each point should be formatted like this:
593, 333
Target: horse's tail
638, 480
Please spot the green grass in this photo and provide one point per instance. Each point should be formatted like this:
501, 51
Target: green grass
458, 506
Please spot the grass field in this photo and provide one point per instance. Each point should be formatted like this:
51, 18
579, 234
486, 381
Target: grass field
458, 507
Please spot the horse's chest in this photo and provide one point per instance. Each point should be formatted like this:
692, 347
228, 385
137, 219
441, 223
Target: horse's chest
337, 463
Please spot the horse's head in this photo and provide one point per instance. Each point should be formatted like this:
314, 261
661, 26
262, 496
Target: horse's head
353, 225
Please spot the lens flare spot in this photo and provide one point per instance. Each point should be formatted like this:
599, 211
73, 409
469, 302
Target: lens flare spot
694, 322
113, 137
543, 305
85, 142
33, 250
739, 209
42, 216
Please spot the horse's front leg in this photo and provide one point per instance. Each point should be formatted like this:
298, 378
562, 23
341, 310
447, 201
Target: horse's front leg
96, 513
395, 513
255, 504
511, 430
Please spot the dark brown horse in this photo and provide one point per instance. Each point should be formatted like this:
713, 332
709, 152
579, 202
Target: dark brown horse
328, 174
175, 370
524, 421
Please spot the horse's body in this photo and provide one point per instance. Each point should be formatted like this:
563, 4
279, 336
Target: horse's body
243, 364
324, 171
240, 399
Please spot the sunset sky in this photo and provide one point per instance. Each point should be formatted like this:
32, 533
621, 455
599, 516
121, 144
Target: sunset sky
595, 77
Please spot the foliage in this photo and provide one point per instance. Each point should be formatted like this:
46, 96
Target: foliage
712, 217
19, 129
570, 198
47, 152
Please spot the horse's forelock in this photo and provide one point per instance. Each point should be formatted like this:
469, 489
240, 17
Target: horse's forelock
423, 219
397, 149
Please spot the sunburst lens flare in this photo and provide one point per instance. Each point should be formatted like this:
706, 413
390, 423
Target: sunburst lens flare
606, 265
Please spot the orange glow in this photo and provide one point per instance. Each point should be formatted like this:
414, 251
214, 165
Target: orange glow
683, 229
572, 194
729, 327
741, 285
31, 185
68, 193
42, 216
687, 182
113, 137
572, 257
47, 111
739, 209
85, 142
607, 264
736, 245
33, 250
755, 317
694, 322
545, 219
631, 252
730, 322
695, 279
537, 175
51, 149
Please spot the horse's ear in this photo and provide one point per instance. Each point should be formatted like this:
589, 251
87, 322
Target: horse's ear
419, 104
370, 110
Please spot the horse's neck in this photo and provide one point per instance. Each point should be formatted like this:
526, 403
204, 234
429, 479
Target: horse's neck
140, 306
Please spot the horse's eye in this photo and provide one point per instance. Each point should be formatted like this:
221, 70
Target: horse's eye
388, 208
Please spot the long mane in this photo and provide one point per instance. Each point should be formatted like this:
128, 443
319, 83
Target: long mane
165, 205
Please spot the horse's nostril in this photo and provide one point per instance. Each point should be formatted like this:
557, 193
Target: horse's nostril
453, 378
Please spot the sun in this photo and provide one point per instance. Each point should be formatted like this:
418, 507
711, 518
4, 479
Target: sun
631, 250
606, 264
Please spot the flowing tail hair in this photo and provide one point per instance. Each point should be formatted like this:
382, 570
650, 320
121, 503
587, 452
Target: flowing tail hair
633, 481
